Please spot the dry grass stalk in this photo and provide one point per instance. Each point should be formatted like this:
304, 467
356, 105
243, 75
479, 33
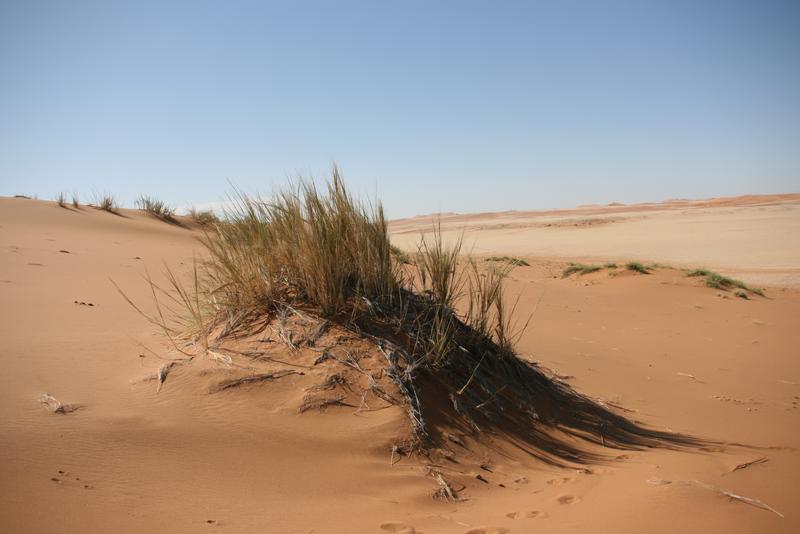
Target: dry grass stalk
745, 465
733, 496
374, 387
445, 491
310, 403
161, 374
237, 382
221, 358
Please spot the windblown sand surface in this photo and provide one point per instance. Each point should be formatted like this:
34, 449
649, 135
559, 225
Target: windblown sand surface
754, 237
662, 347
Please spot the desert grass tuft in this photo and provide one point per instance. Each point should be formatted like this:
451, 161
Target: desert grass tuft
717, 281
75, 203
155, 207
579, 268
401, 255
105, 202
517, 262
610, 265
61, 200
327, 252
446, 318
202, 217
637, 267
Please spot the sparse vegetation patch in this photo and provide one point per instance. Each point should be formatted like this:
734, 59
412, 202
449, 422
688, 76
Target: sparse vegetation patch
637, 267
579, 268
717, 281
517, 262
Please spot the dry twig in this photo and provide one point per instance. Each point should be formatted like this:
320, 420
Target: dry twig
745, 465
236, 382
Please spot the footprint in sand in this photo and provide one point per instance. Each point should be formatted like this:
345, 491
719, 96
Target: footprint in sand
568, 499
399, 528
559, 481
533, 514
488, 530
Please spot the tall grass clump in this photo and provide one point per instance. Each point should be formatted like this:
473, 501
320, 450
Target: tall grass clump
322, 250
202, 217
75, 202
61, 200
155, 207
105, 202
442, 326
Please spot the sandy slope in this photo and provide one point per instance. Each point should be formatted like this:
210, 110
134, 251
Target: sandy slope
678, 354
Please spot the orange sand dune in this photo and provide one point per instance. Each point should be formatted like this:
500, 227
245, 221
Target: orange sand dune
674, 353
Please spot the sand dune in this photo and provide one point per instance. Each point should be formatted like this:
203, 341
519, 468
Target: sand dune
662, 347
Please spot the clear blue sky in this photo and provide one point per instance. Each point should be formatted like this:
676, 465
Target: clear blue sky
436, 106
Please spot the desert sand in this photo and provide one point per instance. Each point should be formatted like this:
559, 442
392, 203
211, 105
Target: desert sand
756, 237
661, 348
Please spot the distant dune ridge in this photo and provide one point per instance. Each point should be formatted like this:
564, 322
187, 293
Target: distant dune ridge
752, 236
151, 437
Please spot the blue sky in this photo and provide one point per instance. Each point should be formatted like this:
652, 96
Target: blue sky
434, 106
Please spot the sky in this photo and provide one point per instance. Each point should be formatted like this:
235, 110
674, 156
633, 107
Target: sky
431, 106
